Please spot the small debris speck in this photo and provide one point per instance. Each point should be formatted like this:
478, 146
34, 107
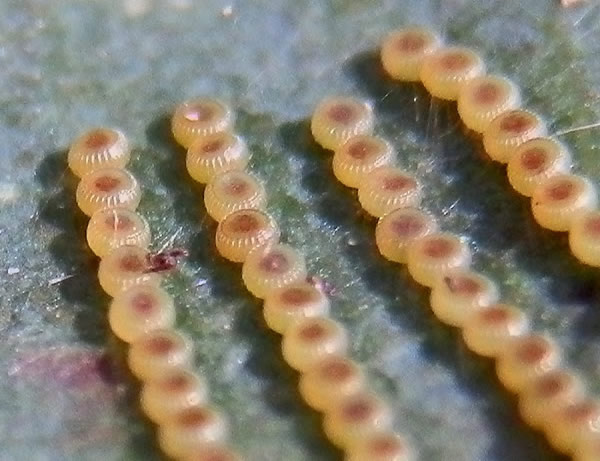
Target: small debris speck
201, 282
13, 270
57, 280
227, 11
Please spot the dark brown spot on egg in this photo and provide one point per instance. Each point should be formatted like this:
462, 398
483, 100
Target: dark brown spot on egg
237, 186
297, 296
358, 410
212, 147
143, 303
561, 190
107, 183
97, 139
243, 223
534, 159
517, 123
407, 226
495, 315
194, 417
313, 332
160, 345
337, 370
550, 386
132, 263
463, 285
410, 43
455, 61
582, 412
533, 350
360, 150
438, 248
274, 262
176, 383
397, 183
487, 93
342, 113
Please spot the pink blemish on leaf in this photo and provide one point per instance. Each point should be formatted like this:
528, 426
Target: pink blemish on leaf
71, 369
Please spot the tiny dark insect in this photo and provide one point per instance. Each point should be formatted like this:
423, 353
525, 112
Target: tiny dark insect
165, 260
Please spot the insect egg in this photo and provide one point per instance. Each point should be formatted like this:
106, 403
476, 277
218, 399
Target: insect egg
460, 293
154, 354
508, 131
191, 430
525, 359
483, 98
288, 304
588, 450
573, 423
173, 392
386, 189
396, 230
384, 446
403, 51
560, 199
535, 161
329, 381
445, 71
243, 231
489, 331
125, 267
213, 452
140, 309
360, 155
212, 155
337, 119
584, 237
552, 390
199, 118
107, 187
430, 257
232, 191
111, 228
271, 267
98, 148
356, 417
312, 339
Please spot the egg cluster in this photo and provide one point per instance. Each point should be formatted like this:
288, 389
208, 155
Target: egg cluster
538, 165
551, 397
313, 343
141, 313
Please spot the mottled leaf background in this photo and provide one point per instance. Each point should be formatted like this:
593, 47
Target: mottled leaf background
66, 65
